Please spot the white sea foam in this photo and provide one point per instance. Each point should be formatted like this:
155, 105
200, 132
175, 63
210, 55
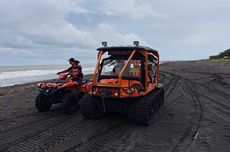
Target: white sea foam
25, 76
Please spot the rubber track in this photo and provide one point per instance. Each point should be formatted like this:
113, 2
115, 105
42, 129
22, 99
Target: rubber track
138, 110
88, 107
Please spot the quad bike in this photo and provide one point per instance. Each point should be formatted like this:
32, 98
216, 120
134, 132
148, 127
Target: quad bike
64, 91
125, 81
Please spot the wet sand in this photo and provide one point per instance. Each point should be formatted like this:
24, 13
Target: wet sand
195, 117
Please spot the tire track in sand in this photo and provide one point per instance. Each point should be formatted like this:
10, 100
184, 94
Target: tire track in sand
27, 131
186, 140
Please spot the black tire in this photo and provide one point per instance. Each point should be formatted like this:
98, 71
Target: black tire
89, 107
70, 103
42, 103
162, 97
142, 110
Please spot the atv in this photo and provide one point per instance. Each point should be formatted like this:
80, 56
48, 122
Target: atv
125, 81
64, 91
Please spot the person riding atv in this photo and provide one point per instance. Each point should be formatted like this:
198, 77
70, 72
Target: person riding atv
68, 90
75, 71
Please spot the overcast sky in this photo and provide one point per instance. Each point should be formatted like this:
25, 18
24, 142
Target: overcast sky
51, 31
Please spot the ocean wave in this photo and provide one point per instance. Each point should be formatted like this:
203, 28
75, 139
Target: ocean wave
20, 77
28, 73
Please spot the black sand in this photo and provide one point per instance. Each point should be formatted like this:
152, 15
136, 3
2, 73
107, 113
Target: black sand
195, 117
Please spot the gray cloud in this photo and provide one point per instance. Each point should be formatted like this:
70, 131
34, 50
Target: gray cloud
43, 23
131, 8
43, 30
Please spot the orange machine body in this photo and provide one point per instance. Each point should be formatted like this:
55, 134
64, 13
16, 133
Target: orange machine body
120, 86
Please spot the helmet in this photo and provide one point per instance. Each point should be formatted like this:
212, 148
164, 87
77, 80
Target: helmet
71, 59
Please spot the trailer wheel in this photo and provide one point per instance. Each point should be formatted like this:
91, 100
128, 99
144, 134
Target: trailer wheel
42, 103
89, 107
70, 103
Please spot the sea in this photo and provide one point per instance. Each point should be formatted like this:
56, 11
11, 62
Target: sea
12, 75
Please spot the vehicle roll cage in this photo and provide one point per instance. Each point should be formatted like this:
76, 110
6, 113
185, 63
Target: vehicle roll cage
143, 51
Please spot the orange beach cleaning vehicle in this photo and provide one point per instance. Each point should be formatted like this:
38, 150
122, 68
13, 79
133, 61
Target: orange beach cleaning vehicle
125, 81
